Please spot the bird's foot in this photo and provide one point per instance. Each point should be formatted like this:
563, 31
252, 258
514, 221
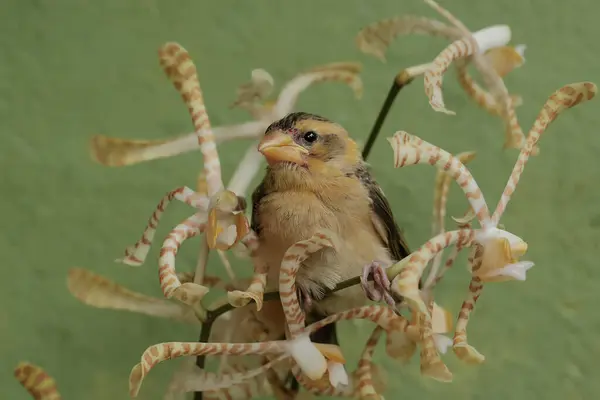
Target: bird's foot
381, 289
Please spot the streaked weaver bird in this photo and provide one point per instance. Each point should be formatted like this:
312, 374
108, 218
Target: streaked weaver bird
316, 179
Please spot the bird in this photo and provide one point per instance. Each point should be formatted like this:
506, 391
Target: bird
316, 180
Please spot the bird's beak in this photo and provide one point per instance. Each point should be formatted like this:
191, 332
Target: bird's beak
280, 147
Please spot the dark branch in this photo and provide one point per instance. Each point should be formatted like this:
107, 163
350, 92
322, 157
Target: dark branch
401, 80
212, 315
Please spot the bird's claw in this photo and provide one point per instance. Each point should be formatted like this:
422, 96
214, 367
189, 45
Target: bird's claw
381, 283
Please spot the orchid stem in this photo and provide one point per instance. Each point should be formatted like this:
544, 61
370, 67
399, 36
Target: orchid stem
402, 79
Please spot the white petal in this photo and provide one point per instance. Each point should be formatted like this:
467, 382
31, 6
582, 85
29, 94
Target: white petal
484, 235
337, 374
308, 357
442, 343
517, 271
520, 49
228, 235
492, 36
260, 74
518, 246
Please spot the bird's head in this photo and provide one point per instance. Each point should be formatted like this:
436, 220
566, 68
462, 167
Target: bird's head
308, 141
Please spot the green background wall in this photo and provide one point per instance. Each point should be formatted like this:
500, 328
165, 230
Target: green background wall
70, 69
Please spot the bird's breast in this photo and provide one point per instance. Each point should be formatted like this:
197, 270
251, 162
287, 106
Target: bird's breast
288, 217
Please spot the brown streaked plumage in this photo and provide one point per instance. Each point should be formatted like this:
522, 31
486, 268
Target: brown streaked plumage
316, 179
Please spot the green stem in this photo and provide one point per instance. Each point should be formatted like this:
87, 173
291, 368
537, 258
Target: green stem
395, 269
401, 80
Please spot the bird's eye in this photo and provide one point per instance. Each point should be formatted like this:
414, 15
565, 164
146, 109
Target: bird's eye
310, 136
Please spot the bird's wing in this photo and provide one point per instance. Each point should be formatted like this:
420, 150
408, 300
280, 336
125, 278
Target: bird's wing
257, 196
383, 218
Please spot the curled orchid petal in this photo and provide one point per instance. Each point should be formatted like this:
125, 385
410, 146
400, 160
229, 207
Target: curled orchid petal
259, 88
337, 374
465, 219
375, 38
37, 382
97, 291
